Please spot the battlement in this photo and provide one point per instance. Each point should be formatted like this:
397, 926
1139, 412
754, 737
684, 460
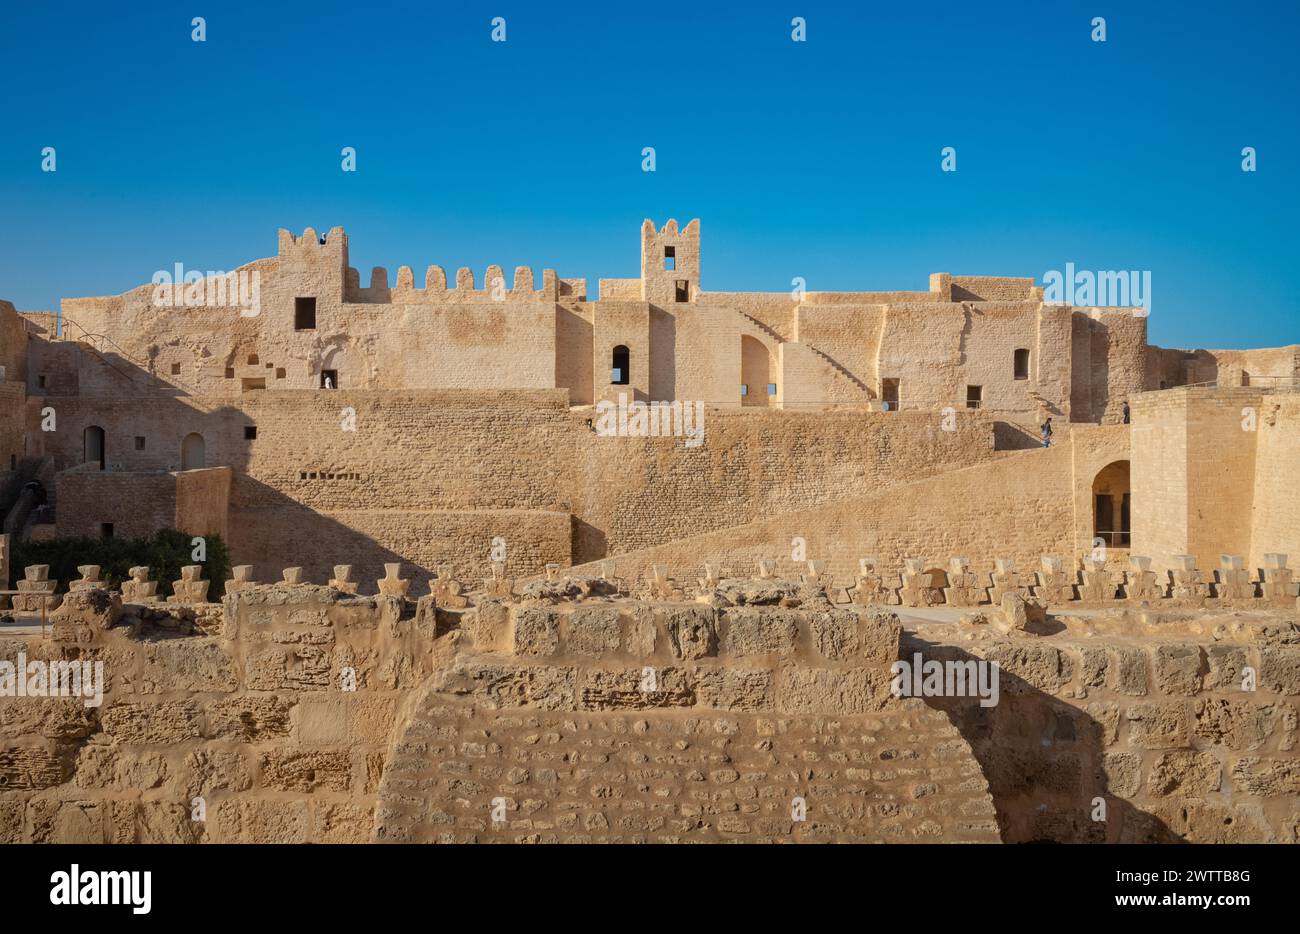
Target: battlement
436, 290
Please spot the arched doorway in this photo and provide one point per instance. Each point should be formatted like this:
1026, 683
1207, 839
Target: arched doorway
193, 454
1111, 506
92, 446
755, 371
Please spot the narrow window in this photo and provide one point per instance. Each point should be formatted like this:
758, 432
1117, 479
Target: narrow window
889, 389
771, 389
622, 363
973, 394
744, 389
40, 382
279, 372
329, 379
250, 432
304, 314
106, 530
683, 290
176, 369
139, 442
230, 372
1021, 363
670, 257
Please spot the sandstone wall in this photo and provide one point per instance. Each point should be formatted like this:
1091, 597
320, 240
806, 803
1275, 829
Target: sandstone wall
1158, 726
242, 708
1275, 513
1213, 474
296, 714
753, 712
308, 486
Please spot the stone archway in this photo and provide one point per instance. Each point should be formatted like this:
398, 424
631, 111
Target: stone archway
1111, 505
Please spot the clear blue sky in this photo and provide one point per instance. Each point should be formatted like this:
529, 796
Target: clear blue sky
817, 159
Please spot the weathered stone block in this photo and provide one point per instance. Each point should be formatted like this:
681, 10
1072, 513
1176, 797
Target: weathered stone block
536, 630
750, 631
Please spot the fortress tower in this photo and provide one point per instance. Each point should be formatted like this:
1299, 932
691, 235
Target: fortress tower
670, 263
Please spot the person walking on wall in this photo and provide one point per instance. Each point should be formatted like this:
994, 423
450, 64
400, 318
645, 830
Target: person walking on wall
1125, 411
1047, 432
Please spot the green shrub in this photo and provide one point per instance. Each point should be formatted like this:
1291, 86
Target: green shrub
166, 552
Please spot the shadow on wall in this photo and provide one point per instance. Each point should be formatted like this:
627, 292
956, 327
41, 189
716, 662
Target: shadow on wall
265, 527
1044, 761
271, 531
1008, 436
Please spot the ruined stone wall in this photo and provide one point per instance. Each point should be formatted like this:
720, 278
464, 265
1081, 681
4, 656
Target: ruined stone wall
756, 711
751, 714
243, 708
1156, 719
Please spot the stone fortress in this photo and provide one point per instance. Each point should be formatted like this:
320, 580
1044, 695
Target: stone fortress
870, 485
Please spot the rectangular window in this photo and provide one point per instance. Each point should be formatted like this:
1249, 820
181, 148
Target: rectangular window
771, 389
176, 369
250, 432
106, 530
744, 389
249, 384
974, 396
329, 379
139, 442
279, 372
1021, 364
230, 372
670, 257
40, 382
683, 290
304, 314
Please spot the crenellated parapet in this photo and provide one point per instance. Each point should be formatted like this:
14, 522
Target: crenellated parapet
494, 287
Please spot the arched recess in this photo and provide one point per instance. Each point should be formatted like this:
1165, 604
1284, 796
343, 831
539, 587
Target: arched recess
92, 445
755, 371
193, 452
1111, 506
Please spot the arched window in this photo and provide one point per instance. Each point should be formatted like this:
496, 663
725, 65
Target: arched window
92, 445
1022, 363
621, 366
193, 455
